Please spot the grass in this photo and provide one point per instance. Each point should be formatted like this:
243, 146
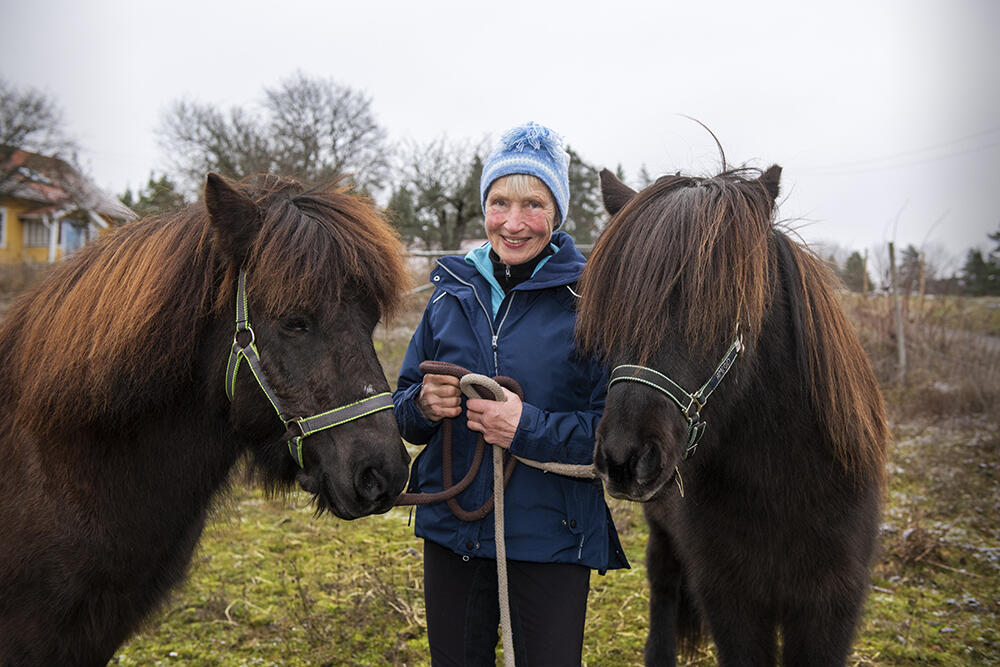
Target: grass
272, 585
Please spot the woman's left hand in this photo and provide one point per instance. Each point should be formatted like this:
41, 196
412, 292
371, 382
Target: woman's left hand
496, 420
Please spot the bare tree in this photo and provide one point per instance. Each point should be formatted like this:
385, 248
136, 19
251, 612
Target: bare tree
321, 129
441, 185
201, 138
32, 121
310, 129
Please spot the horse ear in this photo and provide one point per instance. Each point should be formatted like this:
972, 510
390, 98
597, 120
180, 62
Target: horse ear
234, 216
769, 179
615, 193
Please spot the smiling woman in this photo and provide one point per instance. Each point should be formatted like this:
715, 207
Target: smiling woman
509, 308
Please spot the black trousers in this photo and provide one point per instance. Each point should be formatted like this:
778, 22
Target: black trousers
548, 606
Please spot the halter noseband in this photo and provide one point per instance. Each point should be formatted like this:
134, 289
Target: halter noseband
691, 404
297, 428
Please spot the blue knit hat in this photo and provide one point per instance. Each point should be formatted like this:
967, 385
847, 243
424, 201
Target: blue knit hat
530, 149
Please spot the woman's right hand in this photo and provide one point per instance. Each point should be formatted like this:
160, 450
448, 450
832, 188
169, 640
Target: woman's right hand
440, 397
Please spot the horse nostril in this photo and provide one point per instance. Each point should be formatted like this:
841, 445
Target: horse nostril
370, 484
645, 464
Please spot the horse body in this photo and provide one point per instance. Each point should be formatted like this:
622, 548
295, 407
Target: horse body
84, 562
776, 527
118, 431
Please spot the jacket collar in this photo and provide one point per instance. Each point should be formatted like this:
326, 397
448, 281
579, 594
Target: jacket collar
561, 268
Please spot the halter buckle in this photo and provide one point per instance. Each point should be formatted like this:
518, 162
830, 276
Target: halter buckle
293, 428
695, 416
236, 337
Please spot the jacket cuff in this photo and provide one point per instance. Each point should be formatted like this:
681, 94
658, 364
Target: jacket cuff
413, 425
523, 444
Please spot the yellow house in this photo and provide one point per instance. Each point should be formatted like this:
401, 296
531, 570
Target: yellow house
48, 209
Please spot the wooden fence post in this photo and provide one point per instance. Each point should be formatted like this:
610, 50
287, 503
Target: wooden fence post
897, 310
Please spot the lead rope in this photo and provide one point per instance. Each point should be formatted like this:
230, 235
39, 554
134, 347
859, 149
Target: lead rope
472, 384
506, 630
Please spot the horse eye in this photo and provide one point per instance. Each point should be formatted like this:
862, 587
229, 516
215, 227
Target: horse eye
295, 324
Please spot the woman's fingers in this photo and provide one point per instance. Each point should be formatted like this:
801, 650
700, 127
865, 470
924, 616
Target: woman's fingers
440, 397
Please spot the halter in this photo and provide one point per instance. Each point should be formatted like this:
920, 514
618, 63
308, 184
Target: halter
297, 428
691, 404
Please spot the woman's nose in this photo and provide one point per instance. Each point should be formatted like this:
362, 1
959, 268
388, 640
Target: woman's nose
514, 216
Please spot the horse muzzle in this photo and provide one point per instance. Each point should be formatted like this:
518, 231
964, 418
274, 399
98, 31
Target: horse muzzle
367, 479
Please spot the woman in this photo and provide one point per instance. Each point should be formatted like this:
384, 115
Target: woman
508, 308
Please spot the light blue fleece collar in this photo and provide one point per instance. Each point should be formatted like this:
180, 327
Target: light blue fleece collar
480, 258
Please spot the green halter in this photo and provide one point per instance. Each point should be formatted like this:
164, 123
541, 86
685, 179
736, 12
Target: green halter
691, 404
298, 428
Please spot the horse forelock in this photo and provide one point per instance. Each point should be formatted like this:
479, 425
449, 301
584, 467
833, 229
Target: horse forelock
117, 323
686, 254
317, 244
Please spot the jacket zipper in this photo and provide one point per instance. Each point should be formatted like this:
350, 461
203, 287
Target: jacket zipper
494, 333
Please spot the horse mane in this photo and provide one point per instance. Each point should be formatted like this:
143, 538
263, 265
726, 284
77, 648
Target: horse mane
698, 256
116, 324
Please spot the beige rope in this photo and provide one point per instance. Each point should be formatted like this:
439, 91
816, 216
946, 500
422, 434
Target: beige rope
567, 469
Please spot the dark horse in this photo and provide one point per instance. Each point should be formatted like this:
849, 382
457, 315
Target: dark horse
117, 430
763, 517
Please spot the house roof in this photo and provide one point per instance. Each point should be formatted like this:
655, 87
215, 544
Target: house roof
55, 185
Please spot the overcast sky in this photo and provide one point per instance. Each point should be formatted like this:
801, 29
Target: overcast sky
884, 114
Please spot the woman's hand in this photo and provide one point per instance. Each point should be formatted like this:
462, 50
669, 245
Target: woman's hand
440, 397
496, 420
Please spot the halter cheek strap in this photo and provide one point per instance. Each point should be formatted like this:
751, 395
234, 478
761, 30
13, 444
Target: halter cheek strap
691, 404
297, 428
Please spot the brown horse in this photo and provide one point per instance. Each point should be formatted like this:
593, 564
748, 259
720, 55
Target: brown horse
117, 430
763, 504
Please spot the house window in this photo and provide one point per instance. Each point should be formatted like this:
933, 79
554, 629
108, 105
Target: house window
36, 234
75, 234
3, 227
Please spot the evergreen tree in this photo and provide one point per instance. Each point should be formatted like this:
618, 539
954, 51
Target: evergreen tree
909, 269
645, 180
403, 214
853, 274
981, 275
584, 218
158, 196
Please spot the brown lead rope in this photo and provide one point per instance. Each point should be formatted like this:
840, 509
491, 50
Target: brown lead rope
451, 490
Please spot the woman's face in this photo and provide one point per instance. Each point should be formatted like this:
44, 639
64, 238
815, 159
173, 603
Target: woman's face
519, 224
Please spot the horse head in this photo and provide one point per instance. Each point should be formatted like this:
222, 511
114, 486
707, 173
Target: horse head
673, 293
318, 272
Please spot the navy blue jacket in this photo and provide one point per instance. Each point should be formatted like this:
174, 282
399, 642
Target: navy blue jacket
528, 337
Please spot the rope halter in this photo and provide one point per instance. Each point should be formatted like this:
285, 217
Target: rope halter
691, 404
296, 428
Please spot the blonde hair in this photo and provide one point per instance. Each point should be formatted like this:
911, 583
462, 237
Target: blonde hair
521, 185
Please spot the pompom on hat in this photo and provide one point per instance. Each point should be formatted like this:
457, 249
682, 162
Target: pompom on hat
530, 149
